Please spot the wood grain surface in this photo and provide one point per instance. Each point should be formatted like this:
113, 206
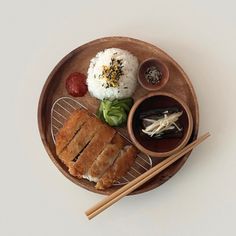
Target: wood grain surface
78, 60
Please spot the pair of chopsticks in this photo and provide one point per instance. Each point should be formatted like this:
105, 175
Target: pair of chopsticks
134, 184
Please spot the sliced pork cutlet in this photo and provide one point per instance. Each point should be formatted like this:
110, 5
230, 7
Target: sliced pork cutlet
80, 140
103, 136
118, 140
106, 158
69, 129
119, 168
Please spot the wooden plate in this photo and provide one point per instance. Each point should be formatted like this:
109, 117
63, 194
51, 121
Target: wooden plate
78, 60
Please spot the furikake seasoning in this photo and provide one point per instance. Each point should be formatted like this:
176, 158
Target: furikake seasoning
112, 73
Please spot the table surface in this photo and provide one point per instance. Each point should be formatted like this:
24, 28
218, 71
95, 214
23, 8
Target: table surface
36, 199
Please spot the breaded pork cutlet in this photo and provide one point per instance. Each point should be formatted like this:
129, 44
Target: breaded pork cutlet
106, 158
69, 129
102, 137
80, 140
93, 150
121, 165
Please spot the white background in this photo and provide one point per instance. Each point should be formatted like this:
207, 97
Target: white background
36, 199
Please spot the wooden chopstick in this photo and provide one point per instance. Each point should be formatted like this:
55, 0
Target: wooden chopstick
131, 186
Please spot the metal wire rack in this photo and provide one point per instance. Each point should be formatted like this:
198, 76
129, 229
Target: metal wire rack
60, 112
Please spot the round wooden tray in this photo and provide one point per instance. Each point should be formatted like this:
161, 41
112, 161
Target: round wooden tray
78, 60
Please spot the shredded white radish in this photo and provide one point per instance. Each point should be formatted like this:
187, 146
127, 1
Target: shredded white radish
166, 123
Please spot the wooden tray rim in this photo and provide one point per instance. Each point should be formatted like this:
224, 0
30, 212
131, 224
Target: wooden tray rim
71, 54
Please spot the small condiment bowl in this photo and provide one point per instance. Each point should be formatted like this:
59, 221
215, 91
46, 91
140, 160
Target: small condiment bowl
152, 146
160, 66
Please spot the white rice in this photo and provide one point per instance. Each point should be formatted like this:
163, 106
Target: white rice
127, 82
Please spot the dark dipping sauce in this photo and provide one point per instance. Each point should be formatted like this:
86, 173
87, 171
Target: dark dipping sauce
150, 143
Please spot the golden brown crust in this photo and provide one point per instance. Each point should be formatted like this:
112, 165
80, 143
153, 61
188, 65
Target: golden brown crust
121, 165
69, 129
106, 158
80, 140
94, 148
118, 140
103, 162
